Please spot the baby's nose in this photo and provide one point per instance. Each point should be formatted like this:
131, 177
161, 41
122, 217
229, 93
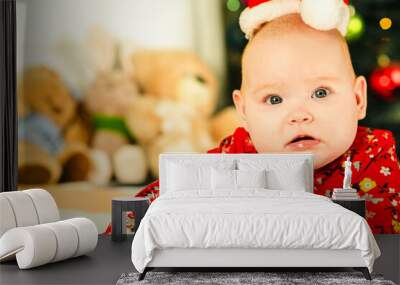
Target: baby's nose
300, 117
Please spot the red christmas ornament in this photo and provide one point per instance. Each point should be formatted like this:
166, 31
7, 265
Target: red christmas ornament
385, 81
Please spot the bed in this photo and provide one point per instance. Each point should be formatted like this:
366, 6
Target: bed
247, 210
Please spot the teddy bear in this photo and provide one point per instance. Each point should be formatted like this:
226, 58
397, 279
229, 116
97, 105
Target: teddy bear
52, 113
44, 92
179, 94
108, 97
176, 75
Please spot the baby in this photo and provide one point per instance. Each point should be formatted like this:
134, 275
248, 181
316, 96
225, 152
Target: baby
299, 93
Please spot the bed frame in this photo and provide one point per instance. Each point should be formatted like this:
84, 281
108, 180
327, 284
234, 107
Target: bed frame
238, 259
249, 259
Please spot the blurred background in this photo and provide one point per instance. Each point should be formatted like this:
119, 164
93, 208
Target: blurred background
105, 86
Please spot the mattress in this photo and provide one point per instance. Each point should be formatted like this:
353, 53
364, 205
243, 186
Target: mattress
250, 219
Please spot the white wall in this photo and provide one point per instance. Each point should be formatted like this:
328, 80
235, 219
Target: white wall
185, 24
157, 23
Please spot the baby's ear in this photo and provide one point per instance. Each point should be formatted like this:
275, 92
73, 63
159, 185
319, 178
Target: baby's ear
238, 99
360, 92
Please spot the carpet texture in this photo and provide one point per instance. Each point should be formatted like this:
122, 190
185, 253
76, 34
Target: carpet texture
225, 278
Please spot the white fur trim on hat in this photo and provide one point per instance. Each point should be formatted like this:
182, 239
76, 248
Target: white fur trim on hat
321, 14
252, 18
344, 19
325, 14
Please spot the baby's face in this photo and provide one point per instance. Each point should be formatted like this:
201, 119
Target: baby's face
300, 83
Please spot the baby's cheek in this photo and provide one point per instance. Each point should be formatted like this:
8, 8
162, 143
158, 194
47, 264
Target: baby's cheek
264, 134
337, 139
344, 124
267, 128
346, 135
339, 117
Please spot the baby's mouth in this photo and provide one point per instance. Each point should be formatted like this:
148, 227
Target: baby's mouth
302, 142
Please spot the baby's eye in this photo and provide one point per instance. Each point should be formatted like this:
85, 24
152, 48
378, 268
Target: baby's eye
320, 93
273, 99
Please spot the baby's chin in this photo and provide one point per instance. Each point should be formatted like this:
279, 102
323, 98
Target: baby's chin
320, 159
320, 162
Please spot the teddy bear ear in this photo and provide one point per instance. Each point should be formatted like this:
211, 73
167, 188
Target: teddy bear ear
326, 14
101, 49
125, 53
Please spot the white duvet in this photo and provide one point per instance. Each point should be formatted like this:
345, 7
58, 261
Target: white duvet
251, 218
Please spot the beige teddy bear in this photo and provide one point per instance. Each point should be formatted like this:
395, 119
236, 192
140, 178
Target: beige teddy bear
180, 76
45, 92
181, 95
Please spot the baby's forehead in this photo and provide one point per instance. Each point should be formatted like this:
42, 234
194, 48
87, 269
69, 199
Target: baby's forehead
291, 25
283, 33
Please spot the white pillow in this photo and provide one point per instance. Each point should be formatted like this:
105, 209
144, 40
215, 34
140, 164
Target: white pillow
229, 179
251, 178
181, 177
281, 174
188, 174
205, 161
223, 179
293, 180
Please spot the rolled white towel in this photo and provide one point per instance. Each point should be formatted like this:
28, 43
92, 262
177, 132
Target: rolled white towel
67, 240
46, 207
7, 218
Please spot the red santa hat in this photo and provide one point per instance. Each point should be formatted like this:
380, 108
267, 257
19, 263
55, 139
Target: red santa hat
319, 14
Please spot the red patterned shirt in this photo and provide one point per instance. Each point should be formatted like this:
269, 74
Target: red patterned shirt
375, 167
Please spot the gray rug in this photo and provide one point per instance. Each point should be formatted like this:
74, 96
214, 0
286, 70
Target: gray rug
229, 278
